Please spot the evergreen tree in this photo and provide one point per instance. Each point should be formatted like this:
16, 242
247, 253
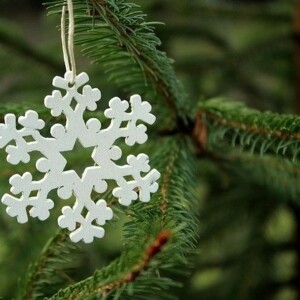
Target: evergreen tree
225, 223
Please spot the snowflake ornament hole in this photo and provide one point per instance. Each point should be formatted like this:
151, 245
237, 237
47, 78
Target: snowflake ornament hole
33, 193
71, 84
29, 139
128, 178
123, 124
73, 105
81, 214
78, 159
84, 212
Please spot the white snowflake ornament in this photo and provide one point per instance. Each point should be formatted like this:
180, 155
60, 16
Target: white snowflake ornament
67, 182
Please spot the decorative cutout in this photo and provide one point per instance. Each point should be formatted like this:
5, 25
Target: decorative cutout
68, 183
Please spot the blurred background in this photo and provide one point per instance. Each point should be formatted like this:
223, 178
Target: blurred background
245, 50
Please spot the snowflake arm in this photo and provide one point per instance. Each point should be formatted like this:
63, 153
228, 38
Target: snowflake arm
132, 132
141, 186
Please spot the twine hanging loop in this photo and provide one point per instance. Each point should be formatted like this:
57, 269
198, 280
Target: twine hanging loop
68, 47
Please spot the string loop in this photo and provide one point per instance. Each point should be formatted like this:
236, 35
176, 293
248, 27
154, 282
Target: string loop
68, 48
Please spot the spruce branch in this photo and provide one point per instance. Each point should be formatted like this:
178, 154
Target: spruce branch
165, 184
176, 198
129, 276
136, 269
160, 236
232, 124
116, 35
151, 245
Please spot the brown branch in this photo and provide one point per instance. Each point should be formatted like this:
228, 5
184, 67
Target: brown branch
161, 85
166, 178
155, 247
200, 131
151, 251
245, 127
